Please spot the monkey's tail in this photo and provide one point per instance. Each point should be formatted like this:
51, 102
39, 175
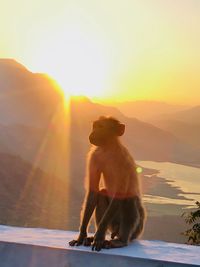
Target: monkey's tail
139, 229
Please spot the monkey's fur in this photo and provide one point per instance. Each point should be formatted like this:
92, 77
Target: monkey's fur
117, 204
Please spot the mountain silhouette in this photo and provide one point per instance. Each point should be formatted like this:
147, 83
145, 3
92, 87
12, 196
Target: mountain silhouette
185, 125
189, 116
145, 141
26, 97
146, 110
30, 102
29, 196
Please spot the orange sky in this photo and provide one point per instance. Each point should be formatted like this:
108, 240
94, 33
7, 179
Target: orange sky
109, 50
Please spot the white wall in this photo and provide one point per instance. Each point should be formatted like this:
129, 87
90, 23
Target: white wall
31, 247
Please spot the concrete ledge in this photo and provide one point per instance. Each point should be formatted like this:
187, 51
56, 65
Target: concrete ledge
31, 247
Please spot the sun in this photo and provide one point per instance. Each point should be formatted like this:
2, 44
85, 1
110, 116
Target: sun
82, 69
77, 60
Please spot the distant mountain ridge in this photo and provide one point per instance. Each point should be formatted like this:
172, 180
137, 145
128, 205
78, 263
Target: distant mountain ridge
185, 125
145, 110
189, 116
41, 107
145, 141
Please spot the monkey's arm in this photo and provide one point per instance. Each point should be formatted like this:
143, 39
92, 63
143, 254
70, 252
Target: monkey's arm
90, 204
90, 200
92, 196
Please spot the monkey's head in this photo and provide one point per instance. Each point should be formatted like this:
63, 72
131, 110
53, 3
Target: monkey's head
104, 130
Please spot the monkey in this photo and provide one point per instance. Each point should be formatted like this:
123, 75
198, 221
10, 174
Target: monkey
118, 205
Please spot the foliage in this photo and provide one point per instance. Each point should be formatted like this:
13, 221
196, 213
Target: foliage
193, 218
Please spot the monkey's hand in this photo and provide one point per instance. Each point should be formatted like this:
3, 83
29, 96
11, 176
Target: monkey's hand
99, 242
79, 241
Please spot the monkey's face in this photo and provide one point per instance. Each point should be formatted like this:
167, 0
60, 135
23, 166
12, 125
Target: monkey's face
104, 130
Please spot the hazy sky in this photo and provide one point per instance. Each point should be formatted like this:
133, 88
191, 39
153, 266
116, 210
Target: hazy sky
110, 49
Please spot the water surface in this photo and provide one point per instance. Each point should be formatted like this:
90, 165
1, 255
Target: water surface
186, 178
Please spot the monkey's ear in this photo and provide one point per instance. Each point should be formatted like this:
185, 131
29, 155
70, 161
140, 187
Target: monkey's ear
121, 129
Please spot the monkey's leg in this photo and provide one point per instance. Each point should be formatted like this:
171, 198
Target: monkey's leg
102, 205
122, 241
107, 214
128, 223
115, 243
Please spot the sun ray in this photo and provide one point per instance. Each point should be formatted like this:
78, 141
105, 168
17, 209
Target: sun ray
56, 142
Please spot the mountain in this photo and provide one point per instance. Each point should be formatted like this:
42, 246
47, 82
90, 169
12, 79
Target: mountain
34, 124
26, 97
32, 198
189, 116
29, 196
31, 114
186, 132
145, 110
47, 149
185, 125
15, 138
145, 141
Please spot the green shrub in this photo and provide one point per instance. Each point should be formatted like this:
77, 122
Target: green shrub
193, 218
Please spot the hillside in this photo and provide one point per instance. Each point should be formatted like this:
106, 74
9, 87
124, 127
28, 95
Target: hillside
142, 138
26, 97
34, 125
187, 132
185, 125
145, 110
188, 116
32, 198
33, 110
54, 148
29, 196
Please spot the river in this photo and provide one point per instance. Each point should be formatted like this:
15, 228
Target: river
186, 178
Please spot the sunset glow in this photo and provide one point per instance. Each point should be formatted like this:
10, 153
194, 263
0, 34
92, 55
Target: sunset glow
79, 62
109, 50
